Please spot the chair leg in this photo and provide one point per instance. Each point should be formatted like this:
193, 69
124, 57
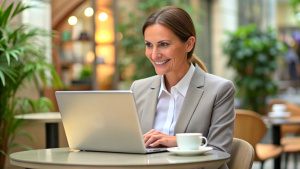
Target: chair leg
286, 160
262, 165
295, 160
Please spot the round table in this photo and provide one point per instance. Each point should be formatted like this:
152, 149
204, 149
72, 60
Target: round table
64, 158
51, 120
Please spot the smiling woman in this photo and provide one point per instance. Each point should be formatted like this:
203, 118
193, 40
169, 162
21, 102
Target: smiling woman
183, 97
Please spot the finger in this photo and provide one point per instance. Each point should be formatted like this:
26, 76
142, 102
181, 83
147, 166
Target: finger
156, 143
149, 132
147, 136
151, 140
169, 141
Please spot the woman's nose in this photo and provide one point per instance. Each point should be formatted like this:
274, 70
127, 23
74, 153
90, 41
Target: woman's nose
156, 54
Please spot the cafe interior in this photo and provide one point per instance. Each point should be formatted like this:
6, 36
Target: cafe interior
98, 45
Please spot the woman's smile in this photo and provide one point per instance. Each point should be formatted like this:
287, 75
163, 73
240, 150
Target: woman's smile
161, 62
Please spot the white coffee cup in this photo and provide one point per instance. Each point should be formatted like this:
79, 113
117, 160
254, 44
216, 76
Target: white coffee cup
190, 141
279, 108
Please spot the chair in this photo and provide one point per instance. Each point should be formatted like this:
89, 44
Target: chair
291, 145
242, 154
250, 127
292, 129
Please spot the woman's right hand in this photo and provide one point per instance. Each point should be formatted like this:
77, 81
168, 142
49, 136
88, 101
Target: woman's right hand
155, 138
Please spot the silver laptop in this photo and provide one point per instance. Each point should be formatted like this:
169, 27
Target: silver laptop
102, 121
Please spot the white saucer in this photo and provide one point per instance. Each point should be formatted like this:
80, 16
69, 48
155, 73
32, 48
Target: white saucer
279, 114
189, 152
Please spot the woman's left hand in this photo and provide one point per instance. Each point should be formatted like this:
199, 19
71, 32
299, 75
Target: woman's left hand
156, 138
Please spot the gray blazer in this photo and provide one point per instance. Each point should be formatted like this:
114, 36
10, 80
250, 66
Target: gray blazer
208, 107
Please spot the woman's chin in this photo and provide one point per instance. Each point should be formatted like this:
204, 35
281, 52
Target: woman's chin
160, 72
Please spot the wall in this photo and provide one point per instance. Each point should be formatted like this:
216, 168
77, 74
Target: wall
285, 16
225, 18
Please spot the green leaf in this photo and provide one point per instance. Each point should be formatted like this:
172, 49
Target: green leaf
2, 78
7, 57
4, 153
5, 15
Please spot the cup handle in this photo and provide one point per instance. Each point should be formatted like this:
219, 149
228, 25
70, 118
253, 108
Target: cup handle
205, 141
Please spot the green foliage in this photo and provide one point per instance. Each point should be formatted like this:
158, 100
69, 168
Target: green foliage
253, 55
295, 5
86, 72
22, 59
132, 48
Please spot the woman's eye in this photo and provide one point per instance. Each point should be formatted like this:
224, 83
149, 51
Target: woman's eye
164, 44
148, 44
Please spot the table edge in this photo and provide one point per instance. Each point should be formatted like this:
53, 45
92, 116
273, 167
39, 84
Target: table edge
34, 164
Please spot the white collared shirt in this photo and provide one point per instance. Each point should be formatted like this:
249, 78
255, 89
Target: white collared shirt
169, 104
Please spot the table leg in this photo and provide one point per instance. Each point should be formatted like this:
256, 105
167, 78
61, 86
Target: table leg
52, 135
276, 140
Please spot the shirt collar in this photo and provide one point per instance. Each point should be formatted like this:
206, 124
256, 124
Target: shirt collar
182, 85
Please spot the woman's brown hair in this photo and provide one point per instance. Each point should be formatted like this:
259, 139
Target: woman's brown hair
180, 22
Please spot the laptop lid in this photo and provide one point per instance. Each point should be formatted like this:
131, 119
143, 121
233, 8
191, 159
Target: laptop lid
101, 121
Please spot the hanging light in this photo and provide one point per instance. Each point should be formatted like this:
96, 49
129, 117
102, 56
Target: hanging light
72, 20
103, 16
88, 12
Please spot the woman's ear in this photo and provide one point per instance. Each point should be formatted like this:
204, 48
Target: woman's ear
190, 43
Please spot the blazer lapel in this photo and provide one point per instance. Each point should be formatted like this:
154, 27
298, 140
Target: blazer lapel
150, 106
191, 100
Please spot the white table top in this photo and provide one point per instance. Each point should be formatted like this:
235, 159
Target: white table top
47, 117
63, 158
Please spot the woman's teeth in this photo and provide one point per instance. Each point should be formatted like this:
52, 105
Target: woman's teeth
160, 63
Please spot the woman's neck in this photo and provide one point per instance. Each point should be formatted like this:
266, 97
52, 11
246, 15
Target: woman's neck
172, 79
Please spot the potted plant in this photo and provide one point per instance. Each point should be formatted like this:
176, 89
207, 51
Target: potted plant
22, 60
253, 54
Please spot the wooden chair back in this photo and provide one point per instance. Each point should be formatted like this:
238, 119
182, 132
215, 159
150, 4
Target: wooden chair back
291, 129
242, 154
293, 108
249, 126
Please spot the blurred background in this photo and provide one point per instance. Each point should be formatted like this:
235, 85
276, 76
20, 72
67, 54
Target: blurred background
98, 45
111, 31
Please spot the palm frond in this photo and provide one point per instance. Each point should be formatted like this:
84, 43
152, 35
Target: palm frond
6, 72
4, 15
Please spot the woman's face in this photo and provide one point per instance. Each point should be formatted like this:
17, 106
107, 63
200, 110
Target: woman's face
166, 51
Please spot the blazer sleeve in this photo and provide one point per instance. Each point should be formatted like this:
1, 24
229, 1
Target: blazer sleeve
221, 130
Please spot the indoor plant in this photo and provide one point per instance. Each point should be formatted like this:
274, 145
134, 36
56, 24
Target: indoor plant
22, 60
253, 54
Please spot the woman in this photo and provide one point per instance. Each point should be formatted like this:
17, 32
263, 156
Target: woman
183, 97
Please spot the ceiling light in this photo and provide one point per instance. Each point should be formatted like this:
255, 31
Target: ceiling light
103, 16
72, 20
88, 12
